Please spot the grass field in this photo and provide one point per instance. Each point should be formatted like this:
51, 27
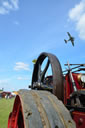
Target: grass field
5, 108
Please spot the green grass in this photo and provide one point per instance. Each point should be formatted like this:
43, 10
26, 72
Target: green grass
6, 106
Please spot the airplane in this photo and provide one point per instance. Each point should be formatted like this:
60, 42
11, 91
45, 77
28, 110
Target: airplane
70, 39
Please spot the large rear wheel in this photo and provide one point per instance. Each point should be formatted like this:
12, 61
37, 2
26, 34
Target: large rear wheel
39, 109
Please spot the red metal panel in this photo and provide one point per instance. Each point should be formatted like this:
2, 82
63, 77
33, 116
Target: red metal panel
16, 117
69, 88
79, 118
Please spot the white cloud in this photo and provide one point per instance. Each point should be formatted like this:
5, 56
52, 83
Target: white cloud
7, 6
77, 15
21, 66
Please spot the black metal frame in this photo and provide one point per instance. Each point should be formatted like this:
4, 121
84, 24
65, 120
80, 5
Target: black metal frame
78, 67
80, 109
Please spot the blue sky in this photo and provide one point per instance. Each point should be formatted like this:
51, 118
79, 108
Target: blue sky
29, 27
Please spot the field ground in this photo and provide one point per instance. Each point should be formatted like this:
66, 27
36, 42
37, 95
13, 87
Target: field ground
5, 108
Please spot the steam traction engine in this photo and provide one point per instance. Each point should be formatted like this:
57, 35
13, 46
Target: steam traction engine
54, 101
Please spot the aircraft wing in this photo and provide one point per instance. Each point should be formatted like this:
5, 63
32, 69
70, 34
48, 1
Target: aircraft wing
69, 34
72, 42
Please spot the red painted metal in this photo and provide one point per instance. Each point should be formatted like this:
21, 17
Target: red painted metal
78, 117
68, 89
16, 119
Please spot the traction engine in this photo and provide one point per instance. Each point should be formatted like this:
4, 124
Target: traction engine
54, 101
